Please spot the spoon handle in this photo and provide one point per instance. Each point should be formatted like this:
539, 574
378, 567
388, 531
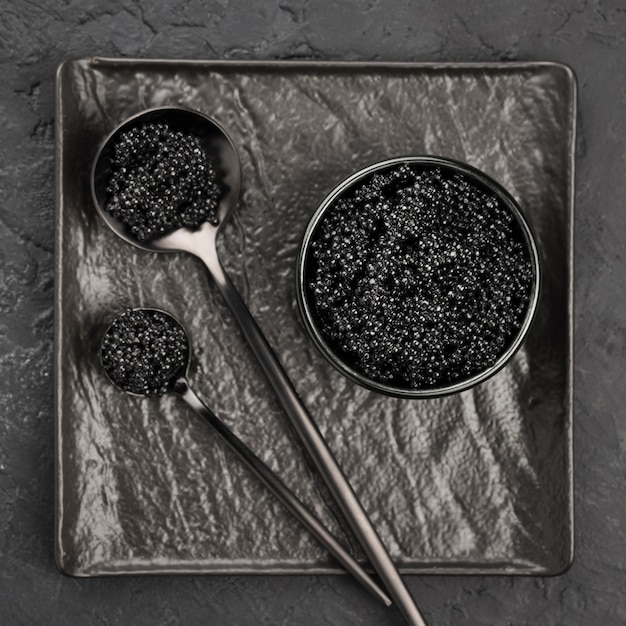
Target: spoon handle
314, 443
281, 491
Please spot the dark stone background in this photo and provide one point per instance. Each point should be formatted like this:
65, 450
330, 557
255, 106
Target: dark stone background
36, 35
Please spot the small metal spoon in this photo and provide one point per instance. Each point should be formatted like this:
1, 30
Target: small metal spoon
178, 384
202, 243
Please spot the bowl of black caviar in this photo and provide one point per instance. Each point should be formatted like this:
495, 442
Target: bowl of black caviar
418, 277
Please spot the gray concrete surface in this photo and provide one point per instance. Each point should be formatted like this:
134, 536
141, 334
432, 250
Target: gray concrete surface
589, 35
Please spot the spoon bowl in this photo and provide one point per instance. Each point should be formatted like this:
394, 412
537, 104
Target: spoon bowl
215, 142
139, 359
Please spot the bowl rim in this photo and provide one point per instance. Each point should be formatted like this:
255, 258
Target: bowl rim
308, 318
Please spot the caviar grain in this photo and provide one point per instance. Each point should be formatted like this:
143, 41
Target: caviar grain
419, 277
144, 351
160, 180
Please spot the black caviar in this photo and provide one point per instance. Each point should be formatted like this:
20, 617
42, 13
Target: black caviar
143, 351
419, 277
160, 180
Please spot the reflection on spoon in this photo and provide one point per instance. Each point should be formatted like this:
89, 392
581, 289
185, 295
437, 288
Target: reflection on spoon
146, 352
201, 242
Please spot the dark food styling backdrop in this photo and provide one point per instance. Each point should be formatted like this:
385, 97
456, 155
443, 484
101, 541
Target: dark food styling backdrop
36, 38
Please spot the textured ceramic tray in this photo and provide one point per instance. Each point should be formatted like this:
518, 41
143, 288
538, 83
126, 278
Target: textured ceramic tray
476, 483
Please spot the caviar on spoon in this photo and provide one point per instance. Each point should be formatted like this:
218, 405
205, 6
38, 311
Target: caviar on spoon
146, 352
202, 243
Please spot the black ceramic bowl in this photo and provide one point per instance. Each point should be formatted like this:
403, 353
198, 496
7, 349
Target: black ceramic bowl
344, 361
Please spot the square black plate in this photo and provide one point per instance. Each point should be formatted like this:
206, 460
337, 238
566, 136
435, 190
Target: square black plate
480, 482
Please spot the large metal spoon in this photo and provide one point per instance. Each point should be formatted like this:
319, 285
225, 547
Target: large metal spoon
146, 352
202, 244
